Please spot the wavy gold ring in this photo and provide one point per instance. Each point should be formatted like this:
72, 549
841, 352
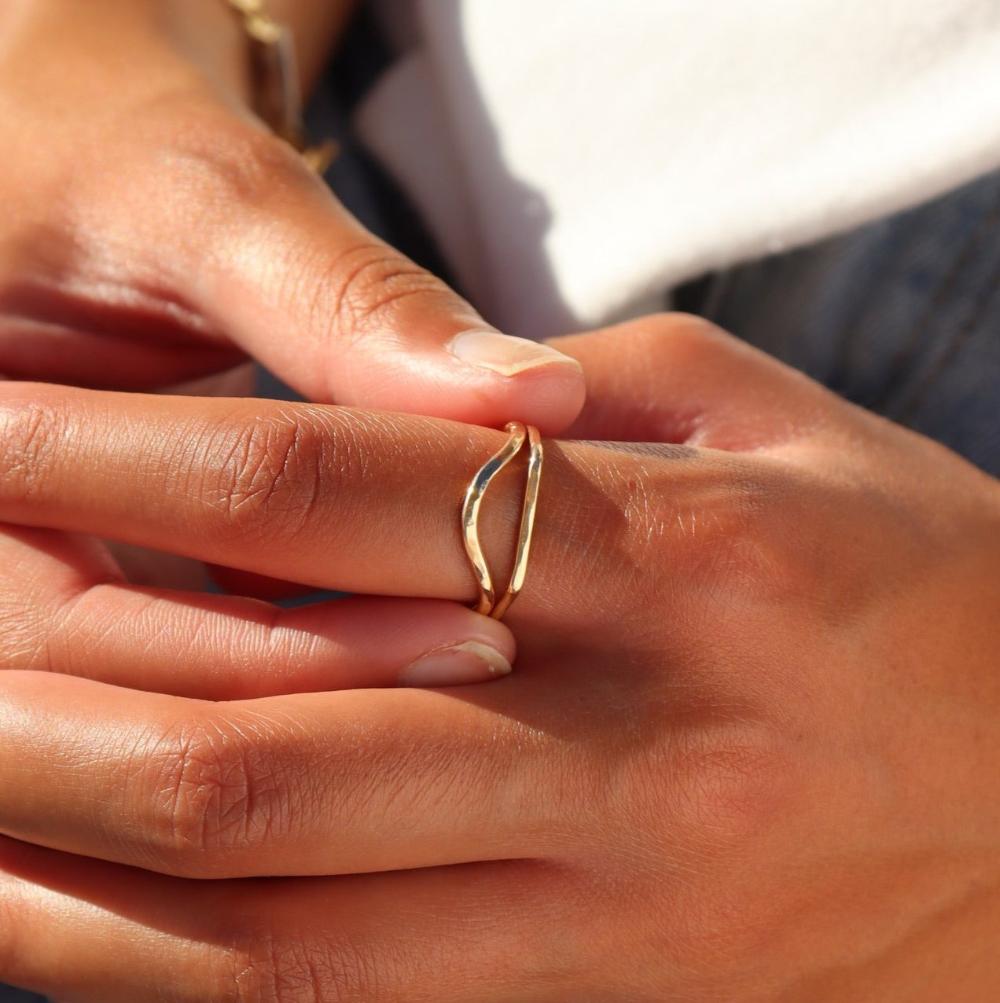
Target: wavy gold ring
487, 602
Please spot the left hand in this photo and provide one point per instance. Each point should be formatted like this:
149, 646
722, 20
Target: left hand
154, 232
748, 752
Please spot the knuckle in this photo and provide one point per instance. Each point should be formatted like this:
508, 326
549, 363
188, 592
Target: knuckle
711, 794
704, 790
733, 779
230, 163
681, 524
271, 968
367, 284
676, 338
29, 433
722, 531
268, 473
763, 547
211, 789
735, 794
727, 532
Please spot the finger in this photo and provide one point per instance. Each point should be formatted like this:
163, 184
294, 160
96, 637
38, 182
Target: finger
321, 496
341, 316
48, 332
677, 378
90, 932
65, 615
322, 783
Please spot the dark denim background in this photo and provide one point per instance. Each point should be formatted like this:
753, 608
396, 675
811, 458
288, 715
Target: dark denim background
901, 316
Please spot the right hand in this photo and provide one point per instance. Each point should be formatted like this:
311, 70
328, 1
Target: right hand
156, 232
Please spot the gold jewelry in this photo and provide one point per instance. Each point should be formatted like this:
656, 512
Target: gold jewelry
275, 81
528, 509
517, 433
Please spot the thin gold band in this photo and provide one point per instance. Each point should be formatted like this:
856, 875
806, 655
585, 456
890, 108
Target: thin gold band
528, 509
517, 433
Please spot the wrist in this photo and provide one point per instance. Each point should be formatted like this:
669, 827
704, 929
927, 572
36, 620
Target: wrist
205, 34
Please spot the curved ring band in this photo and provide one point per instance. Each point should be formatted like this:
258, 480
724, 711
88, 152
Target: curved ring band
488, 603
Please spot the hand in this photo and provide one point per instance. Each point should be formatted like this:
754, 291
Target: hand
68, 606
749, 751
159, 233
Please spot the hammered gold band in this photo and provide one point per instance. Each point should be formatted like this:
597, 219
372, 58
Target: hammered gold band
488, 603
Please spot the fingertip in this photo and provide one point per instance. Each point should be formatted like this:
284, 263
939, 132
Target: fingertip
440, 623
401, 642
436, 384
550, 397
486, 630
537, 383
456, 665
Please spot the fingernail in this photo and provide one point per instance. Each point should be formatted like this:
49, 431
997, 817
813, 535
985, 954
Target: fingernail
505, 354
471, 662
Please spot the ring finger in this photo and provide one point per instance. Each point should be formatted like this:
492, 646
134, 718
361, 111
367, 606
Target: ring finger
324, 496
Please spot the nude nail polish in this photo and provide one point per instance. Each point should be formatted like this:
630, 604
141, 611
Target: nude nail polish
456, 665
505, 354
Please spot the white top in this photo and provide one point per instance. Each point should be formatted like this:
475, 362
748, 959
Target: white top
576, 158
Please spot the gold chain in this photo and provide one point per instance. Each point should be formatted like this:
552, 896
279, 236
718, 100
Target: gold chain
275, 80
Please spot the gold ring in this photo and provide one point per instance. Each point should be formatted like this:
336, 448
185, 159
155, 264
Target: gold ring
487, 603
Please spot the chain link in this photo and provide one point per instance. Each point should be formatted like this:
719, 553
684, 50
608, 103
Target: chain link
276, 86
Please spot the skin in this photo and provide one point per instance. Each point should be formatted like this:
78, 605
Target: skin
748, 751
210, 240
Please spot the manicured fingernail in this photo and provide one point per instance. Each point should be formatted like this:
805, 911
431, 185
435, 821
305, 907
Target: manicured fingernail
505, 354
471, 662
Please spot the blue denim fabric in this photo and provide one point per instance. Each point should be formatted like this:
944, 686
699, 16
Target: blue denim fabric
901, 316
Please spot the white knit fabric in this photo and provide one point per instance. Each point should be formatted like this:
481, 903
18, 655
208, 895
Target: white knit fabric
575, 158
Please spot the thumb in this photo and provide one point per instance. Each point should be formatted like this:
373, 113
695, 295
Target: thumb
678, 378
298, 283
